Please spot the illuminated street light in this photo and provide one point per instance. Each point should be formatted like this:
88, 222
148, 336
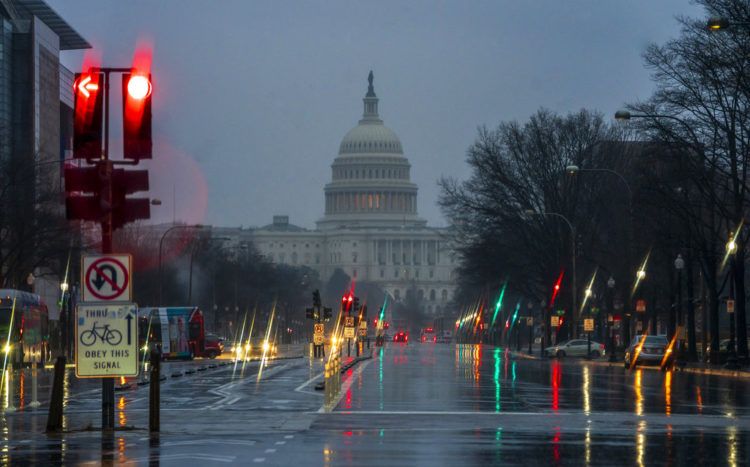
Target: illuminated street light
717, 24
731, 246
588, 293
641, 274
64, 287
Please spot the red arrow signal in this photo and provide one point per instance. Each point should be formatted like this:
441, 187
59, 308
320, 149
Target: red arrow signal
86, 86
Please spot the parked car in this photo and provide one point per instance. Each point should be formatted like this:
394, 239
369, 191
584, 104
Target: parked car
653, 350
575, 348
213, 346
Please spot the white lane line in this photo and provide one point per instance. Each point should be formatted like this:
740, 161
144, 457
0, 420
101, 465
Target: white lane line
258, 460
289, 436
280, 443
307, 383
270, 450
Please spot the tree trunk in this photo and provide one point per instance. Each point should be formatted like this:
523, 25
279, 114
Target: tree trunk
739, 303
692, 353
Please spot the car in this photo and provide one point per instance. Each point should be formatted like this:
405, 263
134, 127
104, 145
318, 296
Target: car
213, 346
575, 348
653, 350
401, 337
428, 335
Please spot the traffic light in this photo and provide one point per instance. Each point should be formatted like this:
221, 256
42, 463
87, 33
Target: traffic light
327, 313
316, 298
124, 209
136, 115
346, 303
355, 307
310, 313
87, 122
87, 196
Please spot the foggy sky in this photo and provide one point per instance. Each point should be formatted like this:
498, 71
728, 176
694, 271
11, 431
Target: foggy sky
251, 99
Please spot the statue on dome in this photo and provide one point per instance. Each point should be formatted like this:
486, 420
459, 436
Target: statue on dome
370, 89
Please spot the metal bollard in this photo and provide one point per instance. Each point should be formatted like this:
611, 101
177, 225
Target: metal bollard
9, 388
34, 396
55, 415
154, 395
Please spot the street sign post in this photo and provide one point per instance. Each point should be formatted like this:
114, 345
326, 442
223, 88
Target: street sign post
730, 306
640, 306
106, 340
318, 334
555, 321
363, 328
349, 332
588, 325
106, 278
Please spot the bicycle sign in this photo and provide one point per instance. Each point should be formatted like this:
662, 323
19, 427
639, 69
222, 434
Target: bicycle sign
106, 340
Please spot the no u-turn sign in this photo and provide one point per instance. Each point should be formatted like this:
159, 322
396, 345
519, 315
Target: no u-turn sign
106, 278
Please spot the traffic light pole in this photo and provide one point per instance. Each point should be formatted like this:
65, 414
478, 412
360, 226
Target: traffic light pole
105, 165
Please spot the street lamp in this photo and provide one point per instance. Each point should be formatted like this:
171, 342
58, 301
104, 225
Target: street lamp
531, 212
624, 116
161, 244
641, 274
716, 24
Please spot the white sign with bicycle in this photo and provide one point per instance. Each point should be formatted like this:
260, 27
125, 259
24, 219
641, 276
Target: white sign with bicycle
106, 340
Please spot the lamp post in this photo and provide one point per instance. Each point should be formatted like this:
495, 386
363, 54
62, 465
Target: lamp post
611, 311
716, 24
588, 293
161, 244
679, 265
573, 263
530, 307
731, 248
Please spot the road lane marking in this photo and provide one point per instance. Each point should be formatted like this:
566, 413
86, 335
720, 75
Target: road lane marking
307, 383
270, 450
259, 459
191, 456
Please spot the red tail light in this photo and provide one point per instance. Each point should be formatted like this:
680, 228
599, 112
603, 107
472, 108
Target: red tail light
601, 346
434, 338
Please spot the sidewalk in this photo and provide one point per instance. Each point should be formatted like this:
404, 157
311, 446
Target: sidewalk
691, 367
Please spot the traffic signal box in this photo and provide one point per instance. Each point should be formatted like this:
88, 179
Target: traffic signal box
96, 191
136, 118
88, 119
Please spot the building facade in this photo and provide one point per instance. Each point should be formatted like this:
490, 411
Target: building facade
370, 228
36, 120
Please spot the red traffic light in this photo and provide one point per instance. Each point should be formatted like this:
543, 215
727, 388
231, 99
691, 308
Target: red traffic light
86, 85
139, 87
88, 119
136, 118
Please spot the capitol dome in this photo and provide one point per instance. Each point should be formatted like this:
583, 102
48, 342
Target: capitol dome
371, 183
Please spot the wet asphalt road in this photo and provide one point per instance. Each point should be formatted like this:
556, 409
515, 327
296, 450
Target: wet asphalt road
421, 404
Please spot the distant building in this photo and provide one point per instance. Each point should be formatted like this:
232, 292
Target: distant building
36, 108
370, 228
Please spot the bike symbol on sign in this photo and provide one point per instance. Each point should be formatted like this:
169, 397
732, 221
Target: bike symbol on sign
103, 333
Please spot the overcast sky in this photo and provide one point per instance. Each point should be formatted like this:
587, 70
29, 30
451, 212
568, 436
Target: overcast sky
252, 98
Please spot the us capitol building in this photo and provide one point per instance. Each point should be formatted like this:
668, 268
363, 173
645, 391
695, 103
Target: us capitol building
370, 229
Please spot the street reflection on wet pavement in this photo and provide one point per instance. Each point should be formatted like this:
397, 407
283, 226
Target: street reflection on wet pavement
420, 404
